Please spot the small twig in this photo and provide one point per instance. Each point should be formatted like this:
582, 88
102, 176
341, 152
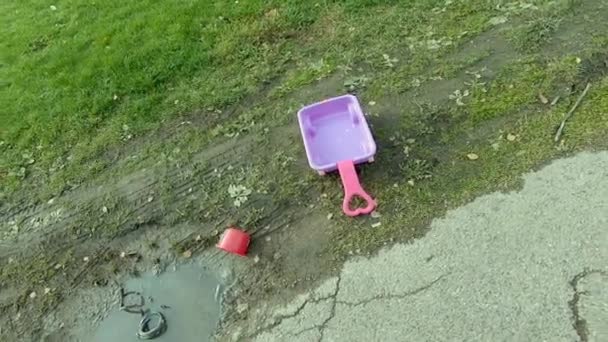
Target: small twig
558, 135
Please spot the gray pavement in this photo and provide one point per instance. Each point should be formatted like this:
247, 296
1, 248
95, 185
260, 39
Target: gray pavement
530, 265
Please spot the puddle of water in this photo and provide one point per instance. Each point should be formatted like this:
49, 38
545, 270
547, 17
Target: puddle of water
193, 312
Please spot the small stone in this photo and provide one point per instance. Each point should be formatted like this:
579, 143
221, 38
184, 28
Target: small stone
123, 255
104, 209
53, 8
376, 225
375, 214
330, 216
58, 266
150, 199
372, 103
578, 60
411, 182
187, 254
472, 156
242, 307
115, 97
256, 259
542, 98
47, 290
236, 336
511, 137
51, 201
33, 294
85, 259
498, 20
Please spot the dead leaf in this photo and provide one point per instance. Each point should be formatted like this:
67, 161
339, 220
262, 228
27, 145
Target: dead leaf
187, 254
511, 137
542, 98
472, 156
272, 13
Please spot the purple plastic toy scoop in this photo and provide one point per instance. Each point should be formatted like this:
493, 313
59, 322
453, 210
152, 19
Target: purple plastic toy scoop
336, 137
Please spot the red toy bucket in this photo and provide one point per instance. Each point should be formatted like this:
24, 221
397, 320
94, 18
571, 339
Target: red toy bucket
234, 241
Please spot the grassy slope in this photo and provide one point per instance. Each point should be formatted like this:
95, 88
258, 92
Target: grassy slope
84, 79
81, 77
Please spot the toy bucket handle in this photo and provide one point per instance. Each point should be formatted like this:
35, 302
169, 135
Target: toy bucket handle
353, 188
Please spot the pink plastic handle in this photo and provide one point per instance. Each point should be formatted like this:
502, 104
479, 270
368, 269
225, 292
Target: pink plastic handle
353, 188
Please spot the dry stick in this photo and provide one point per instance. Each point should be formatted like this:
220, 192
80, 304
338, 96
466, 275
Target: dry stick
558, 135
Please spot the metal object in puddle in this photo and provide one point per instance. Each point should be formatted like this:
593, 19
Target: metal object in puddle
146, 332
132, 308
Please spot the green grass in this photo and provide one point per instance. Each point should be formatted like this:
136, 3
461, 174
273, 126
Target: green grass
79, 79
82, 81
86, 75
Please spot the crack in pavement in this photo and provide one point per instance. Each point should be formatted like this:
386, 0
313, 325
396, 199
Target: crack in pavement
579, 323
396, 296
321, 327
280, 319
332, 312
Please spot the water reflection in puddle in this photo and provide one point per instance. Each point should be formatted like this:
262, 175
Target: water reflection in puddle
186, 298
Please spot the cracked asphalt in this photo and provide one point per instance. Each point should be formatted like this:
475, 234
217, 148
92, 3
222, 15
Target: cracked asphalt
530, 265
